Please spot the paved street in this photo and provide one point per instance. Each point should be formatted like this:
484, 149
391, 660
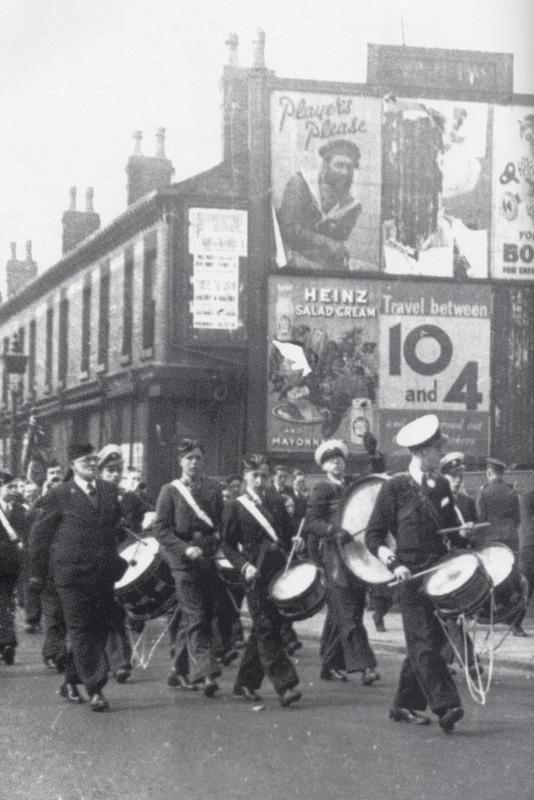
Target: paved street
339, 744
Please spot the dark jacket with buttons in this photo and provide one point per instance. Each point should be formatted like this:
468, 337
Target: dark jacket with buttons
177, 527
413, 516
244, 538
498, 504
75, 538
10, 555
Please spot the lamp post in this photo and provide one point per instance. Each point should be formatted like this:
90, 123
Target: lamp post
15, 362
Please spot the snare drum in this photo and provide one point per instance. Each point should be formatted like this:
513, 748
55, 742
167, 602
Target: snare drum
300, 592
146, 590
460, 585
508, 594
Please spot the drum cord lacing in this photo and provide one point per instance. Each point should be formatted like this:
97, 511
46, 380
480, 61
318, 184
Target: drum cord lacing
140, 656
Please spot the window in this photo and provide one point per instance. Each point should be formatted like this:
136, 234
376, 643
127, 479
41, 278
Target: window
63, 343
31, 356
86, 329
49, 347
127, 304
149, 267
103, 317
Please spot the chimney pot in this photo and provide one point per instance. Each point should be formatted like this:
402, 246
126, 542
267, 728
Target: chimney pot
258, 58
29, 252
89, 195
137, 135
233, 44
160, 143
13, 248
72, 193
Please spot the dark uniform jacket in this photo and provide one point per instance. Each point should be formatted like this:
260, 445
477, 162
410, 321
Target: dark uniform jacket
10, 558
177, 526
467, 506
244, 538
498, 504
76, 538
413, 516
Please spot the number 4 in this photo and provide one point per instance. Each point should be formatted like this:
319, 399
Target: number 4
467, 378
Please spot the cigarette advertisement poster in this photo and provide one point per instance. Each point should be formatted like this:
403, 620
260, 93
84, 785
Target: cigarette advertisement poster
436, 204
513, 193
435, 358
326, 175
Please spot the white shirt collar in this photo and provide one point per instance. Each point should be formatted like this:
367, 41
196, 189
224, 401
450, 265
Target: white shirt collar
417, 474
254, 496
84, 485
335, 481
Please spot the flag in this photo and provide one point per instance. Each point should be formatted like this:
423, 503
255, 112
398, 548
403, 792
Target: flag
295, 353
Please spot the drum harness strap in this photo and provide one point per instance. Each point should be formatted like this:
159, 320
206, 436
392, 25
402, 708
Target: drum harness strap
253, 509
192, 503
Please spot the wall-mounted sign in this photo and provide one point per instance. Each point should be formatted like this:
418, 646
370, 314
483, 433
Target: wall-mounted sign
436, 188
435, 357
326, 167
513, 193
217, 240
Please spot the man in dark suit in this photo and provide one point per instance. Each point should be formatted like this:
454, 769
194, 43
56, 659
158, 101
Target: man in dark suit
413, 506
12, 518
256, 532
75, 536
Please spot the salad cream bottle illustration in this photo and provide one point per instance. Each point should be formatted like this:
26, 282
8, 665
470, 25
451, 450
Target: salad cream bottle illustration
284, 311
362, 415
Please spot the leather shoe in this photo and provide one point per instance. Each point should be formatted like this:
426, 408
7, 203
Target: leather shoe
8, 654
210, 687
122, 675
518, 630
99, 702
50, 663
289, 696
369, 676
70, 692
399, 714
247, 693
448, 720
378, 619
330, 674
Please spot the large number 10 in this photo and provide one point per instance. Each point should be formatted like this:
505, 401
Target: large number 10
465, 387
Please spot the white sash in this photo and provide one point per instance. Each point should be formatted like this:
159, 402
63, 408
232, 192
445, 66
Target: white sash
7, 525
253, 509
192, 503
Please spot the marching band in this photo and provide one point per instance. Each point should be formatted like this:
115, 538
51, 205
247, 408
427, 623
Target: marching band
96, 560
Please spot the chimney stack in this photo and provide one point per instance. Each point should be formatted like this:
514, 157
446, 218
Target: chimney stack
233, 47
235, 111
258, 50
146, 173
78, 225
19, 273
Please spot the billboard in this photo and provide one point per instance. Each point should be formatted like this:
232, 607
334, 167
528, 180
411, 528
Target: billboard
435, 357
512, 248
326, 175
436, 205
322, 372
352, 355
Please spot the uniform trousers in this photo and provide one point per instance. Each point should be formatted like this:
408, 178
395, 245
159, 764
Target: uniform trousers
88, 610
118, 645
55, 629
7, 611
344, 641
425, 678
196, 590
264, 652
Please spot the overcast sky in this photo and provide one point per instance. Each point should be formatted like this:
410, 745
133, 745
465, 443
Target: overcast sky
79, 76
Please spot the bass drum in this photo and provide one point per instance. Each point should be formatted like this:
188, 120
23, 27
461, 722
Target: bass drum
146, 590
299, 592
509, 595
354, 519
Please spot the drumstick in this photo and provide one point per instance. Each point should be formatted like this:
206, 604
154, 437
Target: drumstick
416, 575
296, 541
476, 526
135, 535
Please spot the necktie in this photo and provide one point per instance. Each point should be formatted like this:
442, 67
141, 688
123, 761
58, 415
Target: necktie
91, 492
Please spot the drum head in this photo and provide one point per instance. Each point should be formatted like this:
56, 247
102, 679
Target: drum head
451, 575
355, 518
498, 560
141, 556
294, 582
